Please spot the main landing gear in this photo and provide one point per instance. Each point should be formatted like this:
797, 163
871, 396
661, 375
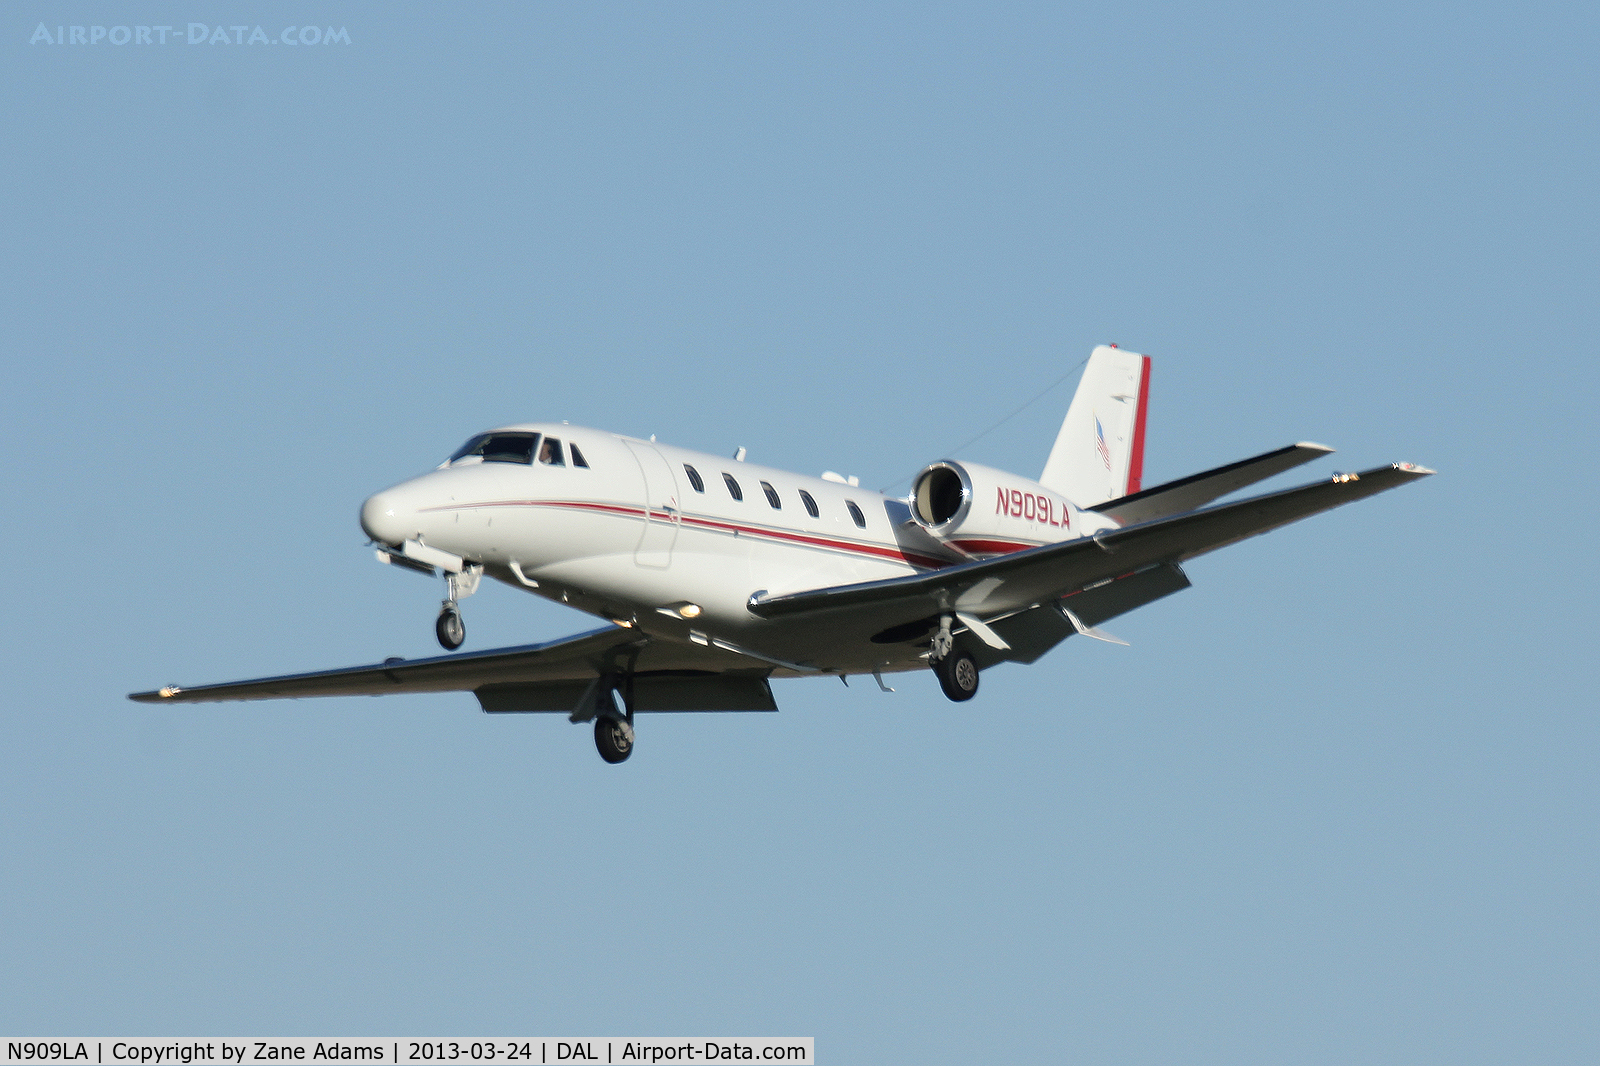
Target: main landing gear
956, 670
958, 675
449, 628
614, 738
613, 720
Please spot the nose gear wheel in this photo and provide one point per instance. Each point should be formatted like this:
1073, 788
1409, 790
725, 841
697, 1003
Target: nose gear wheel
450, 629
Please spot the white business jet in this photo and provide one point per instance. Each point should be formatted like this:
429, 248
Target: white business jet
716, 576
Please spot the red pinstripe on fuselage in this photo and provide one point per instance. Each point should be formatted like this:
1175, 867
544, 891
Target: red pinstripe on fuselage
989, 546
722, 525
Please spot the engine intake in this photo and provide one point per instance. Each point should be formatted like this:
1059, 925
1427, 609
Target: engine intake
942, 494
982, 511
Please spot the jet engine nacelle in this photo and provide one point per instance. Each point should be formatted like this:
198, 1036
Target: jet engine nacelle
983, 511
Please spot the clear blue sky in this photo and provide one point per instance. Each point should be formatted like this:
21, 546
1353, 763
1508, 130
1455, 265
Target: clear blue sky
1337, 803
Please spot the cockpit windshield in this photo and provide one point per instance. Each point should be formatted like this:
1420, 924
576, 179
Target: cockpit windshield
499, 448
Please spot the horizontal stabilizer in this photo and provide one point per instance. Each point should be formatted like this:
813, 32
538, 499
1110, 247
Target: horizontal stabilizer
1197, 490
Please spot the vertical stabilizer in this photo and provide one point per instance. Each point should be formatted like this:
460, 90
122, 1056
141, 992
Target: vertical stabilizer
1099, 453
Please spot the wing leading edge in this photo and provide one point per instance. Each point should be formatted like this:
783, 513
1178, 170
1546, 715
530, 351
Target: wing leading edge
559, 675
570, 658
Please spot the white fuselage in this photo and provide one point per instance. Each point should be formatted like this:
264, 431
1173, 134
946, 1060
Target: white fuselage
629, 537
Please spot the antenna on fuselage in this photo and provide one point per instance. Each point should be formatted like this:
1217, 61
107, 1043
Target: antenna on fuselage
739, 455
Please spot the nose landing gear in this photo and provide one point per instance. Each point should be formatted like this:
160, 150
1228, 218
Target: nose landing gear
449, 628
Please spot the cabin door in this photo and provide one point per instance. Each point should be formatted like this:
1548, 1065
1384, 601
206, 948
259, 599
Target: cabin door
661, 516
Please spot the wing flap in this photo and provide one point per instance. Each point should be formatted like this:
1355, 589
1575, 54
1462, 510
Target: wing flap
651, 692
1035, 631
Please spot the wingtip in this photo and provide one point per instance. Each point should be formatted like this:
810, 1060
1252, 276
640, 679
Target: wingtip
1311, 445
1413, 468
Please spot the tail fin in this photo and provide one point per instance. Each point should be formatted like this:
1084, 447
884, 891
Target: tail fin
1099, 453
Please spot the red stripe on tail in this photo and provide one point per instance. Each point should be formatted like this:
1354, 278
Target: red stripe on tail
1136, 459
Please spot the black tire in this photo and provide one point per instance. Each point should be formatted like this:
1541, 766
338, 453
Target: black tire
958, 675
450, 630
614, 739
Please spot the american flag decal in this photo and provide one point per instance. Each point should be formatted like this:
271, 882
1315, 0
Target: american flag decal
1100, 442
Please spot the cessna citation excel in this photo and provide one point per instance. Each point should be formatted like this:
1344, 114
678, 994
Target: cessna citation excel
715, 575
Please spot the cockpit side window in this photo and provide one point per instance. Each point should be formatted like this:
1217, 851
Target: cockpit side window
550, 453
577, 457
498, 448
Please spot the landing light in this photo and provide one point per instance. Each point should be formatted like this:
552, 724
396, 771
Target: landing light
690, 610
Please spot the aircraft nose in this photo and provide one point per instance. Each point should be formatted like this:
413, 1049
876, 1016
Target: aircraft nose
381, 519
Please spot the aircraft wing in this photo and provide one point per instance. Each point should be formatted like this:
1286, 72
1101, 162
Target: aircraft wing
1022, 579
555, 676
